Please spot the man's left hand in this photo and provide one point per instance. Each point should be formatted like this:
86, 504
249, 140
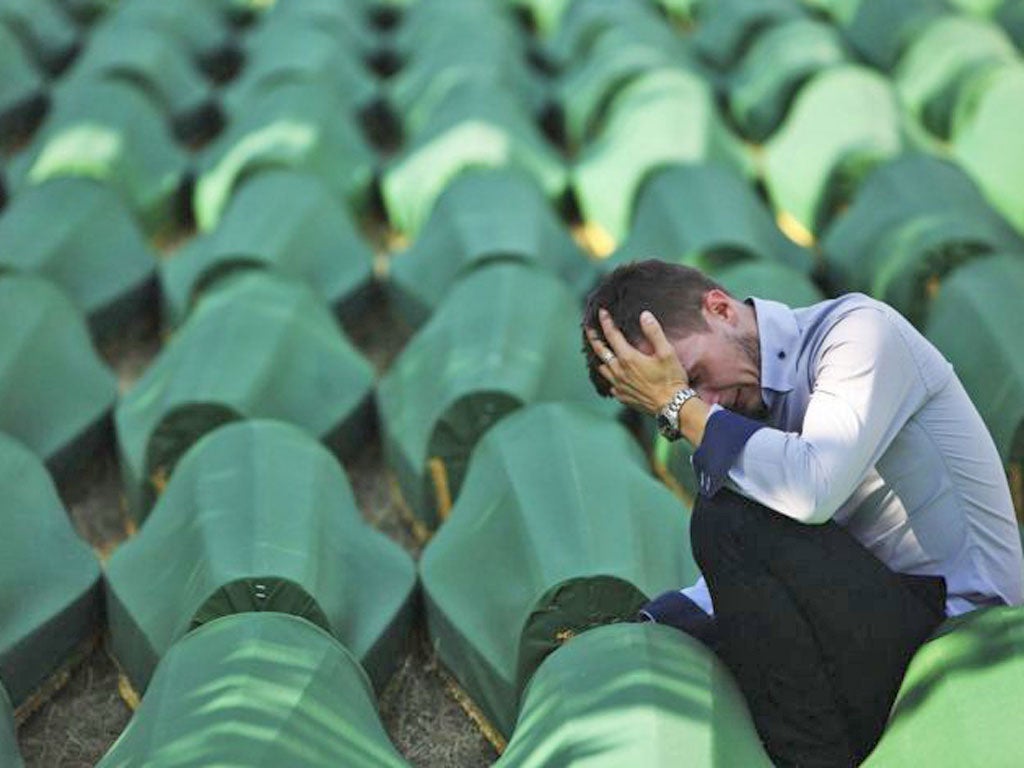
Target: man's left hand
642, 381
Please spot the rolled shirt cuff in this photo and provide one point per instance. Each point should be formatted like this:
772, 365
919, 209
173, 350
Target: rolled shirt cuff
674, 609
725, 434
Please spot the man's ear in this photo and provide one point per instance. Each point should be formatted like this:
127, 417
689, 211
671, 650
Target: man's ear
717, 305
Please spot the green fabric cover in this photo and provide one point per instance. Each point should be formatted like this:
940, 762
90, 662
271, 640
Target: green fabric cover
10, 756
585, 21
665, 116
544, 15
293, 50
880, 30
88, 11
471, 41
986, 138
708, 217
484, 215
22, 88
257, 345
976, 323
507, 334
93, 249
45, 31
280, 220
914, 219
1011, 18
959, 703
49, 578
348, 22
843, 122
44, 346
303, 125
473, 125
771, 73
109, 131
619, 54
950, 51
256, 689
727, 27
154, 61
259, 517
554, 493
634, 694
196, 24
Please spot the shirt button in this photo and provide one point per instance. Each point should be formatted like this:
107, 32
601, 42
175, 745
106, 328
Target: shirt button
782, 355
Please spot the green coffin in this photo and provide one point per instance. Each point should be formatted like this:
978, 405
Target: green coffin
506, 335
155, 62
634, 694
111, 132
283, 221
913, 220
986, 138
45, 31
302, 125
544, 15
256, 689
198, 25
619, 55
585, 21
483, 216
93, 249
49, 578
55, 393
22, 89
474, 41
880, 30
771, 73
844, 122
664, 117
726, 27
562, 498
960, 700
705, 216
348, 23
976, 323
256, 346
1010, 16
10, 756
473, 125
281, 50
259, 517
947, 54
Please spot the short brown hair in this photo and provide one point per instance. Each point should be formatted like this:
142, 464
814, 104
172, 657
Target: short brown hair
672, 292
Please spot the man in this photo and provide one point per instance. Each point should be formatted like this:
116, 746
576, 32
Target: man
850, 495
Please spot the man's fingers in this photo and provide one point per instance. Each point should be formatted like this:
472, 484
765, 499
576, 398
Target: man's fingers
654, 333
616, 340
599, 347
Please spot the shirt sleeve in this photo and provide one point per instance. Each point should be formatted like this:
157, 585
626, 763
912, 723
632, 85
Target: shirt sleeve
865, 387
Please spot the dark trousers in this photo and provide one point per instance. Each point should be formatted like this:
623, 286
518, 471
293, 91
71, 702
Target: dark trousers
817, 631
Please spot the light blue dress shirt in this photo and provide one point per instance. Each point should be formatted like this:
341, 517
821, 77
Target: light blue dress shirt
869, 426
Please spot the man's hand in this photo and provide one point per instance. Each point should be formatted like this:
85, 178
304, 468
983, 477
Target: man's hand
645, 382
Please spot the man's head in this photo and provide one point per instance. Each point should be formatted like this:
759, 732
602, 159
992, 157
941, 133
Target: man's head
713, 335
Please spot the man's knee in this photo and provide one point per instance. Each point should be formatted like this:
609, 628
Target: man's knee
717, 527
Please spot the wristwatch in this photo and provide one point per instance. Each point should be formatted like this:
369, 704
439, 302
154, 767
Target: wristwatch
668, 416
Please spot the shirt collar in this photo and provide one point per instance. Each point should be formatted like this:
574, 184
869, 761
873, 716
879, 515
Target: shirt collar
779, 340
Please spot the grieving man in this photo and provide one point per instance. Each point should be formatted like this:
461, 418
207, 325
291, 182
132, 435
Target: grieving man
850, 496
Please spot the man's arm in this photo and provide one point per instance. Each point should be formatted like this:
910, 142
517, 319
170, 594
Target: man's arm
866, 385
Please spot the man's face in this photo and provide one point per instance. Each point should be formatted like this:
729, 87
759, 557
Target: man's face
724, 366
